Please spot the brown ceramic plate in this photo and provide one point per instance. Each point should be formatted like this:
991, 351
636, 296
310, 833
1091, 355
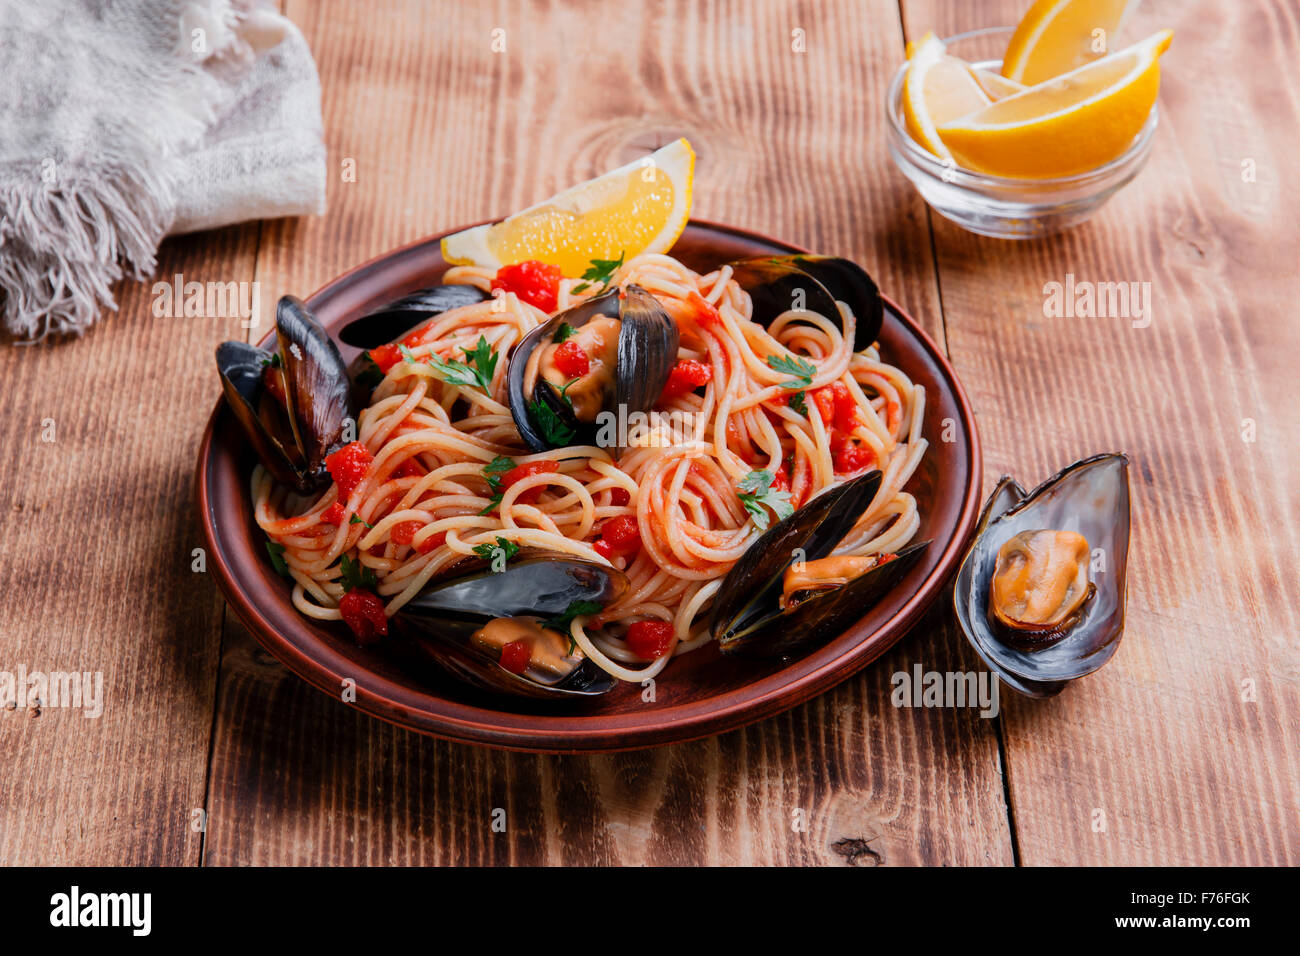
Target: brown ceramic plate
698, 694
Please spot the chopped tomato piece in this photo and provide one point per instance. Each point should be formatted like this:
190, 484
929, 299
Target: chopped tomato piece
571, 359
334, 514
620, 497
621, 535
527, 470
363, 611
516, 655
404, 531
781, 480
687, 375
431, 542
650, 639
849, 456
349, 466
537, 283
705, 313
386, 356
604, 549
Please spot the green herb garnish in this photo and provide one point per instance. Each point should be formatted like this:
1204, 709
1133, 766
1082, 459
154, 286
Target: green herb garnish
756, 494
273, 361
563, 332
575, 609
356, 575
488, 552
276, 551
492, 472
801, 369
798, 402
477, 371
357, 519
553, 428
602, 271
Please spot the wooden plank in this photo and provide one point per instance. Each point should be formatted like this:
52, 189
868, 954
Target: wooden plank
1186, 744
443, 131
99, 527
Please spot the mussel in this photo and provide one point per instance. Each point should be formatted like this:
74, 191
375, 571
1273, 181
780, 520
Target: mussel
399, 317
1040, 594
777, 284
785, 594
631, 346
293, 403
464, 625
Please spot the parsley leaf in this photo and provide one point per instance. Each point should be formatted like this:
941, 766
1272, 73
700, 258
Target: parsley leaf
756, 494
574, 609
801, 369
602, 271
799, 403
477, 371
563, 332
488, 552
273, 361
356, 575
553, 428
492, 471
357, 519
276, 551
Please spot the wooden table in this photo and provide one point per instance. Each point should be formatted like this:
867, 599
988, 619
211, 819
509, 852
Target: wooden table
1184, 750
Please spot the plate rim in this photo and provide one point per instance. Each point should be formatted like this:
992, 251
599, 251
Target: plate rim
643, 731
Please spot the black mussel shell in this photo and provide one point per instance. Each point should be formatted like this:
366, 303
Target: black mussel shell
317, 387
397, 318
647, 351
1091, 497
821, 617
777, 284
442, 619
264, 421
750, 592
292, 440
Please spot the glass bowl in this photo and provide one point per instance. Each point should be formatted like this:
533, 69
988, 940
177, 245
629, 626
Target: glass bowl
994, 205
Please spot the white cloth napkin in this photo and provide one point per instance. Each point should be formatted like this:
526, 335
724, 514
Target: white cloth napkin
122, 121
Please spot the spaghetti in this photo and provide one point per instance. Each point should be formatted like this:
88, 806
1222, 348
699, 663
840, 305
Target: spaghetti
432, 491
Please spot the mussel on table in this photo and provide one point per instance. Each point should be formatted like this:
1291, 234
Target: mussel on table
787, 593
1040, 594
626, 349
293, 402
811, 283
506, 631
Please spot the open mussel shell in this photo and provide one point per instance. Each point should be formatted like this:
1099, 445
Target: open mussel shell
747, 617
265, 423
444, 617
777, 284
647, 351
399, 317
1090, 497
291, 438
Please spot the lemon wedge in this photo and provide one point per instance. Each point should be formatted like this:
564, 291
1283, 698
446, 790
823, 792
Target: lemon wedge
640, 207
937, 88
1057, 36
1071, 124
995, 85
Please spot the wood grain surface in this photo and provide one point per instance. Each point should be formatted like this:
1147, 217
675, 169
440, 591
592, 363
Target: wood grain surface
1182, 751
